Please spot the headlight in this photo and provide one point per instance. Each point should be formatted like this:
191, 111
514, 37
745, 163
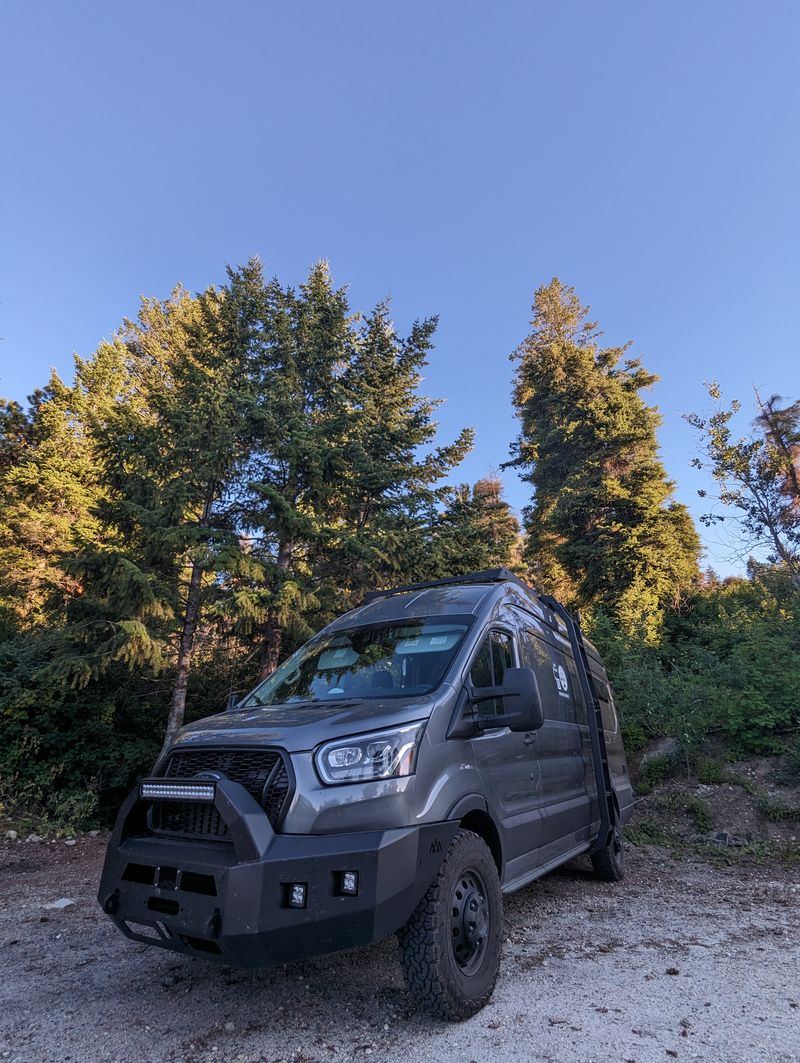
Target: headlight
378, 755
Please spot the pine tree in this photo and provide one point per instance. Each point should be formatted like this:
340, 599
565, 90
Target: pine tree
15, 435
51, 483
336, 496
294, 344
390, 486
477, 530
602, 530
168, 452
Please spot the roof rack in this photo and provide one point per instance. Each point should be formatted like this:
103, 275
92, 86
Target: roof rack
490, 575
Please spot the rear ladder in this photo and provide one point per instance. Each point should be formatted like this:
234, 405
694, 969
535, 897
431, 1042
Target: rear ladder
602, 773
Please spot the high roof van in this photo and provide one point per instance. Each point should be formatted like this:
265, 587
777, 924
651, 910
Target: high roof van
435, 748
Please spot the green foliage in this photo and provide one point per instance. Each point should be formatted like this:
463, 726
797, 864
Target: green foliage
710, 772
71, 755
789, 773
475, 531
697, 810
729, 665
758, 475
603, 533
778, 810
235, 468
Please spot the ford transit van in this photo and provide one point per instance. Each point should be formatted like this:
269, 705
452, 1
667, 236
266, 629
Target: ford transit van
435, 748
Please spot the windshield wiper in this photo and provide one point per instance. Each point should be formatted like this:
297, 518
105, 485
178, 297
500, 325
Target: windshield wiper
304, 703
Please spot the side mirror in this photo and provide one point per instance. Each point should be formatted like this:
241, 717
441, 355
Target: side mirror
521, 699
233, 701
520, 694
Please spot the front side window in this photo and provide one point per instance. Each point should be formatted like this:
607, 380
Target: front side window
401, 658
489, 667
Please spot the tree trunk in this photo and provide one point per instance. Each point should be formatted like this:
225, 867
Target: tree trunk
191, 615
178, 703
273, 633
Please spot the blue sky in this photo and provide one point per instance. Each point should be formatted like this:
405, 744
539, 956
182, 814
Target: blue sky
451, 155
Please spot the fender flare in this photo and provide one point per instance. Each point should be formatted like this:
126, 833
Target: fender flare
468, 803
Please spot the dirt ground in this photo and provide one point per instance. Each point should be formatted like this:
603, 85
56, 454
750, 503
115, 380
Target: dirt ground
680, 961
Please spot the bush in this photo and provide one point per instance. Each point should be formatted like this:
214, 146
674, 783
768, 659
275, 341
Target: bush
728, 665
778, 810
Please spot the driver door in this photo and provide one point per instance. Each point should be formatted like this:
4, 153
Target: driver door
506, 760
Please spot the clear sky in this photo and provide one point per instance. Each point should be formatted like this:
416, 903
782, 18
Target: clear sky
451, 155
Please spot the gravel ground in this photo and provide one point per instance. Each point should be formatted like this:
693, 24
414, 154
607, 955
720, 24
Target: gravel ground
679, 961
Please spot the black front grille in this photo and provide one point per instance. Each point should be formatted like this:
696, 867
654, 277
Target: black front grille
262, 772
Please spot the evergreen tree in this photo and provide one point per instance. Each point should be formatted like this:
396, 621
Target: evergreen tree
168, 454
477, 530
51, 483
390, 487
602, 530
294, 344
15, 435
336, 496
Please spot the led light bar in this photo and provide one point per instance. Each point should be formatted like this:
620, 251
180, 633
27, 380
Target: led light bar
177, 791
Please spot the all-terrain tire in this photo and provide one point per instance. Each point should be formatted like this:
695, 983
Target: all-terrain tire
450, 947
609, 862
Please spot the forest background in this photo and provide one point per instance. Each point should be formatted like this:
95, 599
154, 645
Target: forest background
234, 468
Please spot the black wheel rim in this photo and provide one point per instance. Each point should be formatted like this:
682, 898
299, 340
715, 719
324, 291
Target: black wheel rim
469, 921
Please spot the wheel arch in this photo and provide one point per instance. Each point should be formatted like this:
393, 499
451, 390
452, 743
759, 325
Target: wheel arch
472, 814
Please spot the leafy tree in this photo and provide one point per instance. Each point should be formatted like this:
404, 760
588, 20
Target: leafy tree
602, 530
728, 666
757, 474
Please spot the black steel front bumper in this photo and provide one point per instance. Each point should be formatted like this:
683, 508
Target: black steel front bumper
232, 901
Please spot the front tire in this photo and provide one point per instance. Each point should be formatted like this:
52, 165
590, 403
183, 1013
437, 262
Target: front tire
450, 947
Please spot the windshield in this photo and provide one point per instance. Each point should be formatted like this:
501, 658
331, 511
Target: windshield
399, 658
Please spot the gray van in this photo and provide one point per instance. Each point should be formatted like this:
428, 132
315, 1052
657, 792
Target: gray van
439, 746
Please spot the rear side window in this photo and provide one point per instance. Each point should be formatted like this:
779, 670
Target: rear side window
561, 698
495, 655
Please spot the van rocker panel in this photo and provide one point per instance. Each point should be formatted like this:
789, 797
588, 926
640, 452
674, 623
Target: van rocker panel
203, 899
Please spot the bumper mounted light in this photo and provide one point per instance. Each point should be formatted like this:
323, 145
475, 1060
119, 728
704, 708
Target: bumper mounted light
190, 790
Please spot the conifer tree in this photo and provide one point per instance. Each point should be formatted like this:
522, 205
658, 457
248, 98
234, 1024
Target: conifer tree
294, 344
336, 495
50, 485
477, 530
168, 454
15, 432
390, 485
602, 530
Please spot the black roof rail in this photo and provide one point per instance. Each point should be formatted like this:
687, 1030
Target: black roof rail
490, 575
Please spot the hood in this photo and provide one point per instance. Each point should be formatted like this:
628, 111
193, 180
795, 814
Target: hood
296, 728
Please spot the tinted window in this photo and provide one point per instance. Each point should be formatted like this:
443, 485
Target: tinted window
502, 657
495, 655
481, 674
561, 697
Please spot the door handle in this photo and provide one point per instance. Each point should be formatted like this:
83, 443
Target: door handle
530, 738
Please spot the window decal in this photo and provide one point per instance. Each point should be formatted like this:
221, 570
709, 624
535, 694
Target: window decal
562, 683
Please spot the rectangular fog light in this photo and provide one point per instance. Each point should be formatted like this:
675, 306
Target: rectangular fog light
177, 791
348, 883
296, 894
